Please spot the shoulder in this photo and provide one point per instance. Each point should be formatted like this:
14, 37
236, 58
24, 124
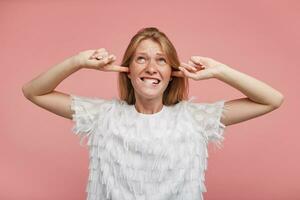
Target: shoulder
204, 111
207, 107
93, 104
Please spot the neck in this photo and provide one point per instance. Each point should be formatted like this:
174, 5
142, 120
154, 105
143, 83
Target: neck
148, 106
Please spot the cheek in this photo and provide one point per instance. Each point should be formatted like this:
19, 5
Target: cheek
132, 71
167, 72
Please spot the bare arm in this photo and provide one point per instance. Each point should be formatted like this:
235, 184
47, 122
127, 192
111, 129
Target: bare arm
41, 90
260, 97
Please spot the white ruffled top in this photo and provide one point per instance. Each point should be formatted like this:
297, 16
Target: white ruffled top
136, 156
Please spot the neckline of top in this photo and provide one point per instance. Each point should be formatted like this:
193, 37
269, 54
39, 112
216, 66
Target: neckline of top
148, 115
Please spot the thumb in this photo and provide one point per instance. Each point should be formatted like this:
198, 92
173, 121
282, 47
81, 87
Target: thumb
199, 60
111, 59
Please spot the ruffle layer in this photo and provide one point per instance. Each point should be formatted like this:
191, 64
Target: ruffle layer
207, 118
132, 157
86, 111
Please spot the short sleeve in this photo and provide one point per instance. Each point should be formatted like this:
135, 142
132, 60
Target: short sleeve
208, 117
86, 111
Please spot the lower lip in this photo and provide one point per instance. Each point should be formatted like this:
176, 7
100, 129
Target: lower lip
152, 85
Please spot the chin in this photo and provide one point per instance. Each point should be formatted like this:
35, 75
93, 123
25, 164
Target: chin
148, 92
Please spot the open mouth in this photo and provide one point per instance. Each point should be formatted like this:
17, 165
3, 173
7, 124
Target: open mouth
153, 81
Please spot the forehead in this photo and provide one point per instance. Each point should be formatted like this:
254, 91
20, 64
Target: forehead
149, 47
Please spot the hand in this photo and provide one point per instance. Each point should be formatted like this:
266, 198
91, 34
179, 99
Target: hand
98, 59
199, 68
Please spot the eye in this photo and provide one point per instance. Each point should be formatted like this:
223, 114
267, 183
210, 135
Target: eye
140, 59
162, 60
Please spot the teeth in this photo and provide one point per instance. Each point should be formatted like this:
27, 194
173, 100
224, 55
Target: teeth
150, 80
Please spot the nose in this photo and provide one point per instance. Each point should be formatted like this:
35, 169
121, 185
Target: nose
151, 67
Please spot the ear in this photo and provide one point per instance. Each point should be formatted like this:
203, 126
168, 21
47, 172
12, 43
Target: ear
128, 73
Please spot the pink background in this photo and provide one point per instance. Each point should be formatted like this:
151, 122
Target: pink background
42, 159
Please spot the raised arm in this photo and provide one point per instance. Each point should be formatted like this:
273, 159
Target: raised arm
260, 97
41, 90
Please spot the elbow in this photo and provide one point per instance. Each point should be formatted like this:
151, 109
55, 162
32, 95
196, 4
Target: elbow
25, 92
279, 101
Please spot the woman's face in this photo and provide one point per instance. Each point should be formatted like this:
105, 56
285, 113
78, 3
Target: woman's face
149, 71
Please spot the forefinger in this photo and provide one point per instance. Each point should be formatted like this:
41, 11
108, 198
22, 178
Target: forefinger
177, 74
118, 68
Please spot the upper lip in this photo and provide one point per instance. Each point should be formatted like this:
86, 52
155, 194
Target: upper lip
150, 77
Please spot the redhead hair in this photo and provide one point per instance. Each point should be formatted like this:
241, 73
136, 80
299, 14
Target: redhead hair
177, 89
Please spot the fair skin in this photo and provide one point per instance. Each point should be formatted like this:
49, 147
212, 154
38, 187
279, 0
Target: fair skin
260, 97
149, 61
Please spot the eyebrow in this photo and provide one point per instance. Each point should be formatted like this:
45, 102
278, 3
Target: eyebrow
161, 54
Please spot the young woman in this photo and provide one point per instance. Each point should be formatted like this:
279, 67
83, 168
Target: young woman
151, 144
